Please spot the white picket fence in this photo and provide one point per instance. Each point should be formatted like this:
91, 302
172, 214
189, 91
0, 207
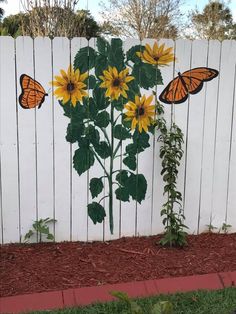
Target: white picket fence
37, 179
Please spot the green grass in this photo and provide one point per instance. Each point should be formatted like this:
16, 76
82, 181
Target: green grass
201, 302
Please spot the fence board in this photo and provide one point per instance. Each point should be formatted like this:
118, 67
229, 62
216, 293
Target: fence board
44, 129
194, 141
157, 181
231, 196
183, 53
222, 146
211, 101
27, 143
61, 60
8, 143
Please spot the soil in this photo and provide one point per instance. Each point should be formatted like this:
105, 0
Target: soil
27, 268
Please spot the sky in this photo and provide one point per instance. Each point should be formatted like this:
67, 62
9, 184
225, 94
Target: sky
13, 6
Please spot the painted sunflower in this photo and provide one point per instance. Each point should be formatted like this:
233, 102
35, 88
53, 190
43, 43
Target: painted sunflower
141, 113
70, 86
115, 82
157, 55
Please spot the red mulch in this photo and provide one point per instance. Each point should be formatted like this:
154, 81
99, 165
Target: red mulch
27, 268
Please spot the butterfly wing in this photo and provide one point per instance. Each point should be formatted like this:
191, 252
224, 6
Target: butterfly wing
175, 92
33, 93
195, 78
190, 82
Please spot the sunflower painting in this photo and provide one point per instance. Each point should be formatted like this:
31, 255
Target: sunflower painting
107, 111
70, 86
141, 113
115, 82
158, 55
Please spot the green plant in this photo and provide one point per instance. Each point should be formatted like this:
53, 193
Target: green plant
40, 228
225, 227
210, 227
162, 307
171, 153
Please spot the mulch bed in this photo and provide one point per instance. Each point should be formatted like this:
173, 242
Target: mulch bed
27, 268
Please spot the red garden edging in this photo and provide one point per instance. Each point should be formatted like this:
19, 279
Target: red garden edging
88, 295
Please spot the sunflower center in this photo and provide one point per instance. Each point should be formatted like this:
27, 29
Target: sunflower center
116, 82
156, 58
70, 87
140, 111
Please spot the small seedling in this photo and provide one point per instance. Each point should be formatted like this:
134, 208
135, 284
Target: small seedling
40, 227
210, 228
225, 227
162, 307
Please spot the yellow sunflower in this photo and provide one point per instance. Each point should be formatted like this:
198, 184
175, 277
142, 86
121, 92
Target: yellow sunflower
115, 82
70, 86
141, 113
157, 55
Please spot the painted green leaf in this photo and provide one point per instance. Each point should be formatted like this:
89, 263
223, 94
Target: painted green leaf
96, 212
133, 149
91, 82
95, 186
77, 113
132, 53
74, 132
130, 162
121, 133
85, 59
101, 64
103, 150
102, 46
91, 108
133, 90
141, 139
83, 159
102, 119
122, 177
137, 187
122, 194
99, 96
116, 54
92, 135
119, 104
147, 75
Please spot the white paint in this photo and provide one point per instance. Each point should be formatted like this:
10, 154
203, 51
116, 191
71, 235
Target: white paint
48, 185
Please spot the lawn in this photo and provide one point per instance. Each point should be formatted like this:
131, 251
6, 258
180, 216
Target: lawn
201, 302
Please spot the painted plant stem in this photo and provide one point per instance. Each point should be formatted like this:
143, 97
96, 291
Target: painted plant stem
111, 174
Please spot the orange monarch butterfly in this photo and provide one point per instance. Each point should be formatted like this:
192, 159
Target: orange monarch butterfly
33, 93
189, 82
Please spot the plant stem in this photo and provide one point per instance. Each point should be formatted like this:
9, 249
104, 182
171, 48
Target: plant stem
98, 159
106, 136
116, 149
111, 174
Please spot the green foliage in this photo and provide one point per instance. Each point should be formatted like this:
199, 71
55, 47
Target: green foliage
83, 159
134, 184
171, 153
85, 59
225, 227
95, 186
121, 133
146, 75
96, 212
40, 227
162, 307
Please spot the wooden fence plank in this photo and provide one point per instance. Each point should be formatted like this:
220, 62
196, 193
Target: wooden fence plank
27, 143
157, 181
44, 129
61, 60
222, 141
205, 198
8, 143
194, 141
79, 183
